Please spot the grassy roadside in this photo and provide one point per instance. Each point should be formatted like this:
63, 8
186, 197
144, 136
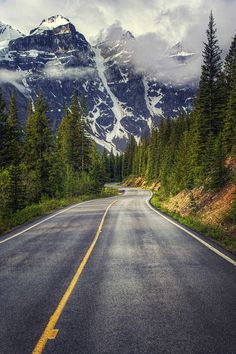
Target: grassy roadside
215, 233
45, 207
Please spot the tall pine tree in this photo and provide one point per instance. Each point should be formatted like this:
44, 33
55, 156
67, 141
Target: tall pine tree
209, 100
39, 146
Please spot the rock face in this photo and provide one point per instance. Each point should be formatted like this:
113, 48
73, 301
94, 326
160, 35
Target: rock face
56, 59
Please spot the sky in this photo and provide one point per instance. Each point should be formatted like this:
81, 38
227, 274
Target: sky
156, 24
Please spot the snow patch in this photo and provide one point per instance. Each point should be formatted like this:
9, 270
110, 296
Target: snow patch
152, 101
50, 24
116, 107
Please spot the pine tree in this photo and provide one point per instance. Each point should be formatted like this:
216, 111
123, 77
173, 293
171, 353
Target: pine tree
96, 170
3, 133
106, 165
229, 131
73, 140
209, 100
84, 139
16, 190
216, 166
153, 157
39, 147
230, 62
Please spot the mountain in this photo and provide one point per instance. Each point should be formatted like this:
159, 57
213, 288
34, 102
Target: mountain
7, 33
179, 53
56, 59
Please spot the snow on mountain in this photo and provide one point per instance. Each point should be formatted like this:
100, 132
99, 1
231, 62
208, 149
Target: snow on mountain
56, 59
116, 106
50, 24
179, 53
152, 101
7, 33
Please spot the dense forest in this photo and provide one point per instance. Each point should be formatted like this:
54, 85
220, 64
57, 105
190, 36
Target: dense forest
193, 149
37, 165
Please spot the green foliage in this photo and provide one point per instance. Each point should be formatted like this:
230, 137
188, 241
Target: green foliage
3, 134
39, 146
229, 69
37, 168
4, 193
229, 129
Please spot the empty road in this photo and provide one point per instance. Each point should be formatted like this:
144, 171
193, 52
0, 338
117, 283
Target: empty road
113, 276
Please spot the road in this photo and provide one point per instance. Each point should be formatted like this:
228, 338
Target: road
144, 286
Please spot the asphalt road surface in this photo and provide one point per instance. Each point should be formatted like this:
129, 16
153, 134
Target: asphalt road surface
143, 286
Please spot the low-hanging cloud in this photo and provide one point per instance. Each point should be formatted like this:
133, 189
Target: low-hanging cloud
61, 72
14, 78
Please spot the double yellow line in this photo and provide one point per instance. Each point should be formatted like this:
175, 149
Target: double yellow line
50, 332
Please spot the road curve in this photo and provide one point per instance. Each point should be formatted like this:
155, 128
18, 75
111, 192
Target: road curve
146, 286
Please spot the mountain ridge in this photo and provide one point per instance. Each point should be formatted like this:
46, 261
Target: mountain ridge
57, 59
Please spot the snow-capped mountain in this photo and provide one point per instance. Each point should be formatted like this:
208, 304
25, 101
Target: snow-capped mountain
179, 53
7, 33
56, 59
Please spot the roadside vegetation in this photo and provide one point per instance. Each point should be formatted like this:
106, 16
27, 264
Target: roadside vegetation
45, 207
219, 233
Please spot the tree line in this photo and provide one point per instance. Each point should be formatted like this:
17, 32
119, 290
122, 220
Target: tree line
192, 150
36, 164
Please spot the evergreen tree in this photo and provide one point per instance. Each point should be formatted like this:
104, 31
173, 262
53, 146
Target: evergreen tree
230, 62
229, 131
106, 165
217, 169
16, 190
3, 133
97, 169
84, 139
209, 100
73, 140
38, 151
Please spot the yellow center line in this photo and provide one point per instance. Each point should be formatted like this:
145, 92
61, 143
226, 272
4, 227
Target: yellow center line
50, 332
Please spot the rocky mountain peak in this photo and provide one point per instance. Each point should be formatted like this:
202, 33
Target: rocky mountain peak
55, 34
180, 53
7, 32
58, 23
127, 36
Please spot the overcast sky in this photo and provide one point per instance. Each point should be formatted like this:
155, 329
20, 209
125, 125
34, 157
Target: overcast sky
172, 20
156, 23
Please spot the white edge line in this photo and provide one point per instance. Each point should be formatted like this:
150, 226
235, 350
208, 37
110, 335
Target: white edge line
215, 250
48, 218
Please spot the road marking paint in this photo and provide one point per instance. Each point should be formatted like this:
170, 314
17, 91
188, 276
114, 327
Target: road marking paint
44, 220
50, 331
53, 334
215, 250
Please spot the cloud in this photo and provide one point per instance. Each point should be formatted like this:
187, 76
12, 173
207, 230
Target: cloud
53, 71
14, 78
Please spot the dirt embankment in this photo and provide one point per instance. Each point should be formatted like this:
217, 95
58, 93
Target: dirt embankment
210, 207
141, 183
